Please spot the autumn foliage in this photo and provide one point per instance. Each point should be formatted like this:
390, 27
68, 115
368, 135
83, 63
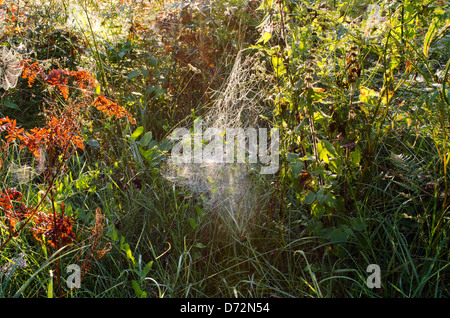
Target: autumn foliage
49, 228
112, 109
55, 229
52, 145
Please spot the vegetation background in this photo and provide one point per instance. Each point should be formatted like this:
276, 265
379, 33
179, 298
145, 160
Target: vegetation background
91, 91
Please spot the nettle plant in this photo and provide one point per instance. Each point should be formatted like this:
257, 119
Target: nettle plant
339, 72
314, 115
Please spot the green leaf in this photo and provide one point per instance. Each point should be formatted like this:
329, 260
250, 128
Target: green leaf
429, 36
265, 5
317, 210
330, 200
130, 256
143, 71
193, 224
137, 288
297, 168
309, 198
338, 234
153, 61
93, 143
316, 96
368, 96
126, 248
145, 139
133, 74
358, 224
10, 104
320, 116
355, 157
137, 132
326, 151
146, 269
292, 157
147, 154
50, 286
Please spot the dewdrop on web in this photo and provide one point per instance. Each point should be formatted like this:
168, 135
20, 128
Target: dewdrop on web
230, 145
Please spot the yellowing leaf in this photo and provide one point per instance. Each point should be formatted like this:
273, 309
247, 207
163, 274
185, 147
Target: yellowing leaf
326, 151
265, 37
278, 65
429, 36
368, 96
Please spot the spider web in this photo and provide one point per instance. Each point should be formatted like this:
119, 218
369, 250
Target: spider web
10, 68
227, 188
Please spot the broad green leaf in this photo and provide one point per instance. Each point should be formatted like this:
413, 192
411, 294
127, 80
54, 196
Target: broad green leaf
316, 94
317, 210
137, 288
130, 256
153, 61
145, 139
292, 157
93, 143
358, 224
326, 151
126, 248
143, 71
147, 154
137, 132
320, 116
297, 168
338, 234
10, 104
133, 74
193, 224
309, 198
330, 200
355, 156
146, 269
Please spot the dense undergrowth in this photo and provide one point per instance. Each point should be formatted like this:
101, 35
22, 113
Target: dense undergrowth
358, 91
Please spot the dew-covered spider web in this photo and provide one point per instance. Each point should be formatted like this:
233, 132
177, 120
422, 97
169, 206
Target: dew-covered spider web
227, 188
10, 68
